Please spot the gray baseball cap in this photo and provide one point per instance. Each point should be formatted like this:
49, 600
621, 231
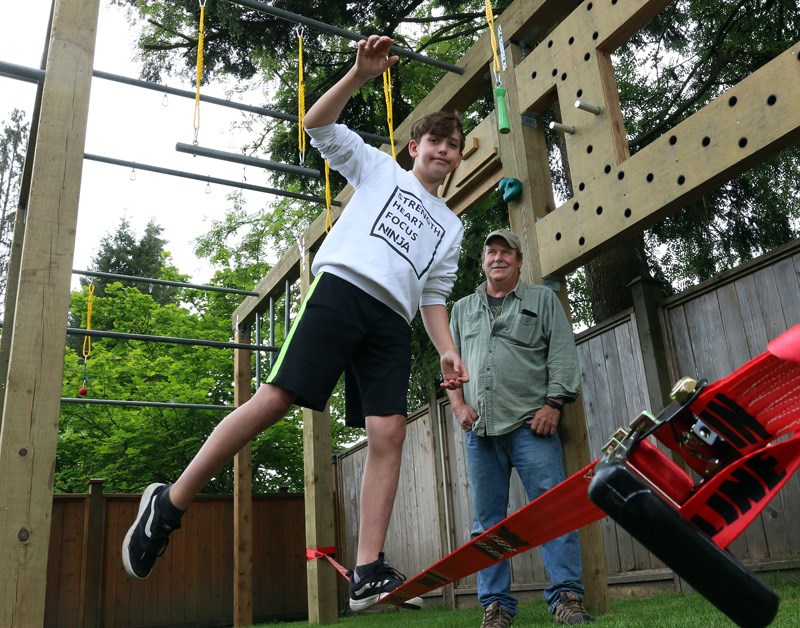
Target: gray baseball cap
511, 239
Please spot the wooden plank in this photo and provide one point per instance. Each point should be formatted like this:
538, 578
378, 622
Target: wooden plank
710, 147
318, 482
36, 358
787, 275
204, 551
767, 291
242, 495
751, 315
54, 563
93, 544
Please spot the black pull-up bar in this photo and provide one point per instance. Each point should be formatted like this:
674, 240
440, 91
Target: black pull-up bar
334, 30
199, 177
194, 149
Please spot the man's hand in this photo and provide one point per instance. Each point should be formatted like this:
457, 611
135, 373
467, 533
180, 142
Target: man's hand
373, 57
454, 372
465, 415
545, 421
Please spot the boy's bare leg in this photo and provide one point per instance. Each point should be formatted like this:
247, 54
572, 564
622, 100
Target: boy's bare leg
385, 436
268, 406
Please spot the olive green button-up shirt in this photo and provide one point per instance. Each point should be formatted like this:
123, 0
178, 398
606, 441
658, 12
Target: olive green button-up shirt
516, 360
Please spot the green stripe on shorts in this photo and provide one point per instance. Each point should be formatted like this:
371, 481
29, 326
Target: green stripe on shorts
276, 367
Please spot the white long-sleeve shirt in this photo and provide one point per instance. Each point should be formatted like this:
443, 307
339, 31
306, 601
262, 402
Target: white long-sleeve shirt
394, 239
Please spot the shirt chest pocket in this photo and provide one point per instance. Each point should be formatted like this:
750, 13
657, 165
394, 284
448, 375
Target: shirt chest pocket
472, 325
526, 328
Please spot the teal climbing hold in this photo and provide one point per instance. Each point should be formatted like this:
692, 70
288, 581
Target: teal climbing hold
511, 188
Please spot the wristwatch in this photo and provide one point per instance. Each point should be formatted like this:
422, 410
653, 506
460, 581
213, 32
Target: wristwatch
553, 404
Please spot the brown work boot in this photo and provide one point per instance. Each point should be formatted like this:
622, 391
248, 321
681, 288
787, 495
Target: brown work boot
494, 616
570, 610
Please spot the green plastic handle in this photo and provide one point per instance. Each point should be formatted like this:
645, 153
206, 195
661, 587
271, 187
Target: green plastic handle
503, 124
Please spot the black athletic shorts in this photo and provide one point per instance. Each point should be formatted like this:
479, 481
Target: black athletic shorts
340, 328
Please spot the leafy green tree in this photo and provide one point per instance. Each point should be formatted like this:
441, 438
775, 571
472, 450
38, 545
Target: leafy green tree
133, 446
13, 144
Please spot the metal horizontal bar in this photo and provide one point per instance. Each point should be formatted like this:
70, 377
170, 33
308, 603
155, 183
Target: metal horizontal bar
14, 71
185, 93
148, 404
199, 177
216, 344
334, 30
34, 75
194, 149
163, 282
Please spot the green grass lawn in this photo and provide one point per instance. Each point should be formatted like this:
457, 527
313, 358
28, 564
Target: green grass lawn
667, 610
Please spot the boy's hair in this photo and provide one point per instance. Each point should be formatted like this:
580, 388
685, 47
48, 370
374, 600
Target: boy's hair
440, 124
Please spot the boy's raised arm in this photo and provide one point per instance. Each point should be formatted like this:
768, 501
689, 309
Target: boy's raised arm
371, 60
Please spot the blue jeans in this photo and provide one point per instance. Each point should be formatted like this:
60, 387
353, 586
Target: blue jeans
538, 461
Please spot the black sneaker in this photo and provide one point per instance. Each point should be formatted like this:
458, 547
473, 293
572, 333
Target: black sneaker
376, 581
148, 537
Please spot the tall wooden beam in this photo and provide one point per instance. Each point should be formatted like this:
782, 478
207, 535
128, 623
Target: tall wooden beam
33, 382
323, 604
242, 495
523, 152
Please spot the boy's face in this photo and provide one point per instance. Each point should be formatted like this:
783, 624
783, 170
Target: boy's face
435, 157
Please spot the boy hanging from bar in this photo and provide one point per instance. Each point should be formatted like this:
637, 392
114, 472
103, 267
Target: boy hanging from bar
394, 250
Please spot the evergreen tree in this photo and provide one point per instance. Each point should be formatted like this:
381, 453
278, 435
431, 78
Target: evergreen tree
121, 254
13, 145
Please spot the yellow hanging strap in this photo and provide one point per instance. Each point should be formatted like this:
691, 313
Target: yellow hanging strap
503, 124
87, 340
200, 44
387, 94
495, 52
301, 97
328, 215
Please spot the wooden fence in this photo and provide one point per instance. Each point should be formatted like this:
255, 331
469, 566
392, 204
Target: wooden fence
706, 331
193, 584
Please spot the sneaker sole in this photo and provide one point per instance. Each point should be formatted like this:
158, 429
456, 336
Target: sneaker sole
126, 559
415, 603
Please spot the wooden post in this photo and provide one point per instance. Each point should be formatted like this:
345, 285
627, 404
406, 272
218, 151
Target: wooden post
33, 382
320, 576
646, 296
93, 545
443, 493
242, 496
524, 155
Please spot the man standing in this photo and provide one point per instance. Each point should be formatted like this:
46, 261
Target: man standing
519, 348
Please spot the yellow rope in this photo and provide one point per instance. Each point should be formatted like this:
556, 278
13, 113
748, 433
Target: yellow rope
328, 215
200, 44
87, 340
495, 47
387, 94
301, 98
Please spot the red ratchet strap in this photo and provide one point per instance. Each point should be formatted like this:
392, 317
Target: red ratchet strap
327, 553
560, 510
766, 391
